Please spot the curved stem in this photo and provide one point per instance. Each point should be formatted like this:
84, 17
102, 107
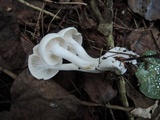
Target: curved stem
74, 41
80, 51
72, 67
62, 52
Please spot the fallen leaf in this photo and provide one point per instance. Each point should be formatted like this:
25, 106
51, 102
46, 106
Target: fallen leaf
141, 40
153, 10
99, 88
146, 8
138, 6
11, 51
38, 100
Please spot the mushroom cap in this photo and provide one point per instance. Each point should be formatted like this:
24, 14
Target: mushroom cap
39, 69
70, 34
45, 48
35, 50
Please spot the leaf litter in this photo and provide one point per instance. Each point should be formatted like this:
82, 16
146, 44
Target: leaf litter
59, 98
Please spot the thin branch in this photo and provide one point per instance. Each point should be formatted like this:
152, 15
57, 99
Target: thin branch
116, 107
122, 95
39, 9
9, 73
96, 11
72, 3
105, 24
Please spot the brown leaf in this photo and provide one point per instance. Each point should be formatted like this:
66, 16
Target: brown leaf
141, 40
146, 8
11, 51
138, 6
38, 100
99, 88
153, 10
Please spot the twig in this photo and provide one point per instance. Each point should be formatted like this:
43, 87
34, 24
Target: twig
143, 56
111, 112
72, 3
52, 21
116, 107
157, 118
39, 9
154, 40
36, 29
105, 24
9, 73
122, 95
122, 91
96, 11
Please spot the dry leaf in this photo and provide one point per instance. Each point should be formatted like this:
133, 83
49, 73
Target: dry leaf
99, 88
141, 40
38, 100
138, 6
146, 8
153, 10
11, 51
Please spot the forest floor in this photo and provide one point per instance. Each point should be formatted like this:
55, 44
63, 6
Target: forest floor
72, 95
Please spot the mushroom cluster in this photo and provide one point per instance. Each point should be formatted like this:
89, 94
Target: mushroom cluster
47, 58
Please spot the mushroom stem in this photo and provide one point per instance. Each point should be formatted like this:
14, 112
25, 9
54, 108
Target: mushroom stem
80, 51
72, 67
74, 40
64, 53
41, 70
111, 64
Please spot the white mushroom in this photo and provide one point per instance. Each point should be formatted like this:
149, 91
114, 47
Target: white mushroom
109, 61
46, 60
74, 38
41, 70
53, 47
74, 41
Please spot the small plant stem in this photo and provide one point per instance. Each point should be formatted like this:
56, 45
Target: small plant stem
105, 24
39, 9
122, 95
121, 87
96, 11
116, 107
